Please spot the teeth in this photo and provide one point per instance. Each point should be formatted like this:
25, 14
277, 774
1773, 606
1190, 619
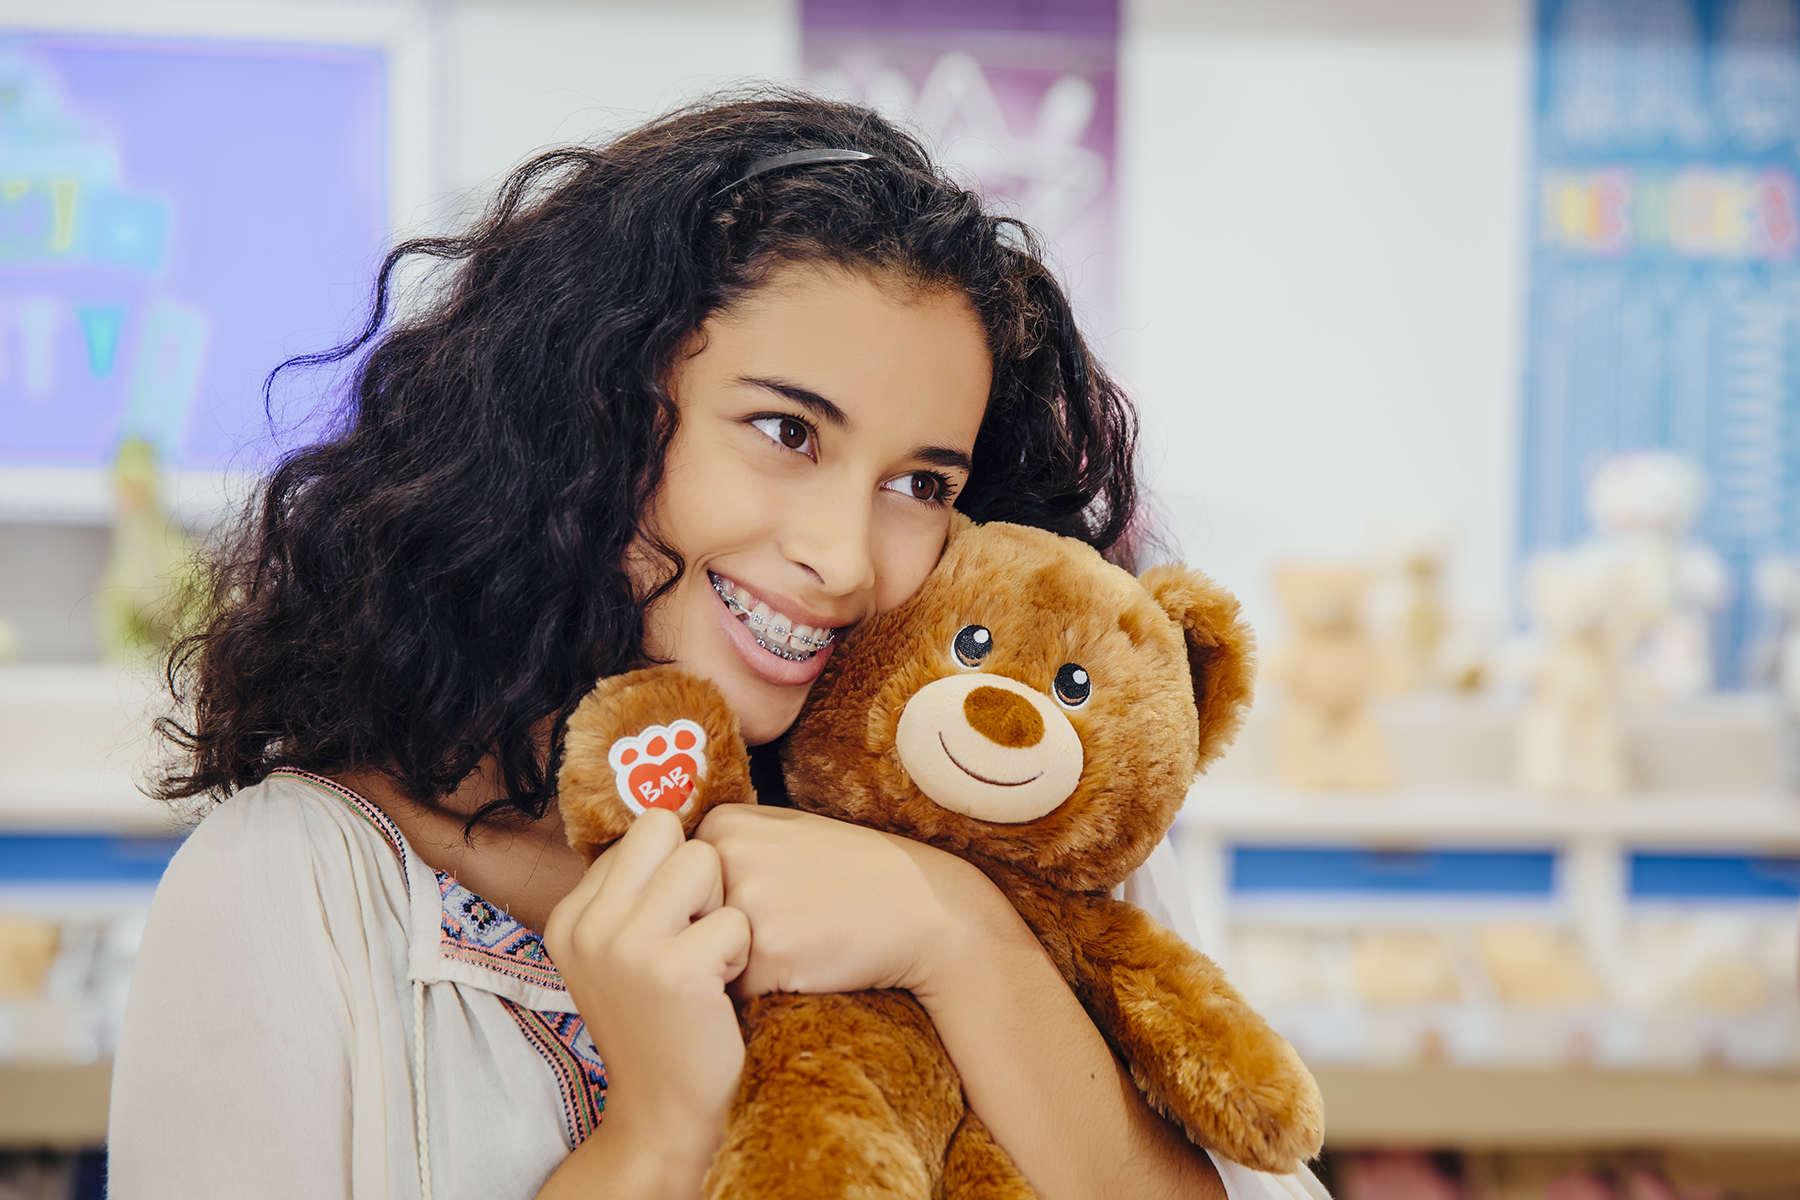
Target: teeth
775, 632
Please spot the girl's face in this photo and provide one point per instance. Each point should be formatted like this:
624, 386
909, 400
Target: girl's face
827, 421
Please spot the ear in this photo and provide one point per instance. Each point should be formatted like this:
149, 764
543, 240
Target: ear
1221, 650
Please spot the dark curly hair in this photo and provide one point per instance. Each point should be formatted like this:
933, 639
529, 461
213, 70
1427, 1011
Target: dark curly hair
443, 577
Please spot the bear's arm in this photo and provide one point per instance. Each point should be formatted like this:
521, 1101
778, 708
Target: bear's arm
1199, 1053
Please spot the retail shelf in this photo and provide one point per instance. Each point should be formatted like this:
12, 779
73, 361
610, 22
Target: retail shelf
84, 495
1419, 1106
1520, 1109
1269, 812
54, 1106
74, 743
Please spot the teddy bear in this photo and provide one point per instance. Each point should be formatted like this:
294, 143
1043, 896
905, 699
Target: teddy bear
1326, 737
1041, 713
1571, 739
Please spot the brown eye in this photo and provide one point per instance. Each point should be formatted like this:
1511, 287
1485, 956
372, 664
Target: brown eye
790, 433
926, 487
1073, 687
972, 644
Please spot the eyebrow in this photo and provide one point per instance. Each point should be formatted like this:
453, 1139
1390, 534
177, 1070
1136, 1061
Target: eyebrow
831, 414
811, 401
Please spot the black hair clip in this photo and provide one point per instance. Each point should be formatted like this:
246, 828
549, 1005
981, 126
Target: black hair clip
797, 158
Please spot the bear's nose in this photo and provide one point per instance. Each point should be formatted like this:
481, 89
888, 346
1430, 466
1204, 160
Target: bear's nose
1003, 717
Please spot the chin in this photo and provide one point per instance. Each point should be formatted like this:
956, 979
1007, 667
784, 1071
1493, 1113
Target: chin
763, 717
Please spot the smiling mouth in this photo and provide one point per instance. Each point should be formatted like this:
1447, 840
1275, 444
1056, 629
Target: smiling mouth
983, 778
775, 632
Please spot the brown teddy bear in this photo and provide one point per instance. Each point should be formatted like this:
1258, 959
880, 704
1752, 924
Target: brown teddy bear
1041, 713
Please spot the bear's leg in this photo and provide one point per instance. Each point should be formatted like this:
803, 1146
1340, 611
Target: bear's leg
978, 1169
842, 1096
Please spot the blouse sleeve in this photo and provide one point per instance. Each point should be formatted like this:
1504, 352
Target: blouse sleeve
234, 1066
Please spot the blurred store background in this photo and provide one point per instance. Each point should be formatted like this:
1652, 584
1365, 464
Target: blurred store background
1467, 338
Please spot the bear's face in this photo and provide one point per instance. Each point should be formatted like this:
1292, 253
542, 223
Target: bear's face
1032, 704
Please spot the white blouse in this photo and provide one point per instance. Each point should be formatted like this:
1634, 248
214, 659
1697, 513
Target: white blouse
316, 1012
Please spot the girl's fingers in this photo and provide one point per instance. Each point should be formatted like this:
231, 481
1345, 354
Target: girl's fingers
617, 876
718, 941
686, 886
636, 857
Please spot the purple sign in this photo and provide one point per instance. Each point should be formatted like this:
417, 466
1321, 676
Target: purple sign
176, 218
1018, 95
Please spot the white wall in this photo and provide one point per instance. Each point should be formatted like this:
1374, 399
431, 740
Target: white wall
1323, 260
523, 74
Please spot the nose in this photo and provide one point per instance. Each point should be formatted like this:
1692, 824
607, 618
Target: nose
832, 540
1003, 717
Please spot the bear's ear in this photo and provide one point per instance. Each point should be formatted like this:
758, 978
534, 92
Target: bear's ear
1221, 650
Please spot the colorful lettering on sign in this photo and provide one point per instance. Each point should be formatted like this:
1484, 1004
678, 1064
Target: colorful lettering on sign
1697, 212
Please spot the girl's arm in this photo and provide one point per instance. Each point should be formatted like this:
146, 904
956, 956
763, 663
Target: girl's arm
646, 948
838, 907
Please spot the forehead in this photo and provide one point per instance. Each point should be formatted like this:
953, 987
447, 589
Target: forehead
876, 345
1045, 605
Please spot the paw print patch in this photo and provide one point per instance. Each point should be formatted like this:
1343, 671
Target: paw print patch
659, 766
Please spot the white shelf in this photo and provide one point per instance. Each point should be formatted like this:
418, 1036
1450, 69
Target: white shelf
75, 740
1269, 812
84, 496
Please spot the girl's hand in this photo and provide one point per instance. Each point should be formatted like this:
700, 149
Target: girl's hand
647, 946
838, 908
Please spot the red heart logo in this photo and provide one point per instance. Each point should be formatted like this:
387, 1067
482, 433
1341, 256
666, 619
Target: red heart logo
659, 766
666, 784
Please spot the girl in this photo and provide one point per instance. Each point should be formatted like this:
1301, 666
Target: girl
757, 346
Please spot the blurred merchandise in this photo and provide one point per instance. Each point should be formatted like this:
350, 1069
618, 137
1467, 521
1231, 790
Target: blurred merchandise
1409, 605
1664, 584
9, 642
1711, 988
1536, 966
1326, 670
152, 576
1408, 967
1776, 659
27, 948
1396, 1175
70, 1008
1569, 737
1681, 1173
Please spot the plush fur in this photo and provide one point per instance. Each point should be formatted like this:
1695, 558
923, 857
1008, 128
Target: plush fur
853, 1095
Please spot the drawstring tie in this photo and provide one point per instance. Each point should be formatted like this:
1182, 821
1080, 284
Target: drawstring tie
421, 1127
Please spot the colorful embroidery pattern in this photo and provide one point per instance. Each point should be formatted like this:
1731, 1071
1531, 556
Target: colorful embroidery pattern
478, 933
563, 1040
357, 804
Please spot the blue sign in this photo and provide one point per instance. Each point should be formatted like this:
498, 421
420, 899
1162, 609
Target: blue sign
1665, 283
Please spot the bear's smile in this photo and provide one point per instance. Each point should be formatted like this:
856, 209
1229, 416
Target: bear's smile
948, 753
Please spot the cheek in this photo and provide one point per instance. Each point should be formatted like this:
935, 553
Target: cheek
905, 552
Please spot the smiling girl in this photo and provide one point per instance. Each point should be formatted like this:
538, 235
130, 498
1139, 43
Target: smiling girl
692, 397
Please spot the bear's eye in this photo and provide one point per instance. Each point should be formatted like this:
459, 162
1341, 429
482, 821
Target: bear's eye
1073, 687
972, 645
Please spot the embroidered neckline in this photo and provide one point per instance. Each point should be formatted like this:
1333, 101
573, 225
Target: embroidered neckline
360, 805
470, 930
473, 931
562, 1039
484, 935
